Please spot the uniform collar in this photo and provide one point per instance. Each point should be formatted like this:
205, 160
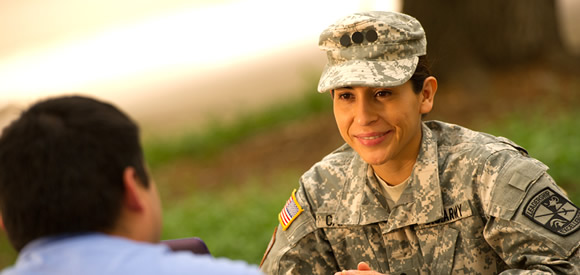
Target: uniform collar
362, 202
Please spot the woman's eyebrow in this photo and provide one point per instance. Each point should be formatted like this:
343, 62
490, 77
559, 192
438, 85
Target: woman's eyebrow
345, 87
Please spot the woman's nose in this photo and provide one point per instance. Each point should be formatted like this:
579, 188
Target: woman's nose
365, 113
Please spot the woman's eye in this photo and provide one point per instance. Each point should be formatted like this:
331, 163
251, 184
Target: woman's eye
345, 96
383, 93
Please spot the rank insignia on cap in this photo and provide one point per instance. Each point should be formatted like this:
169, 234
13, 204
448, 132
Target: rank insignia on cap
554, 212
290, 211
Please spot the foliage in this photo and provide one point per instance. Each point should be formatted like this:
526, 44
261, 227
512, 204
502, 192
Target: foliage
7, 253
236, 222
206, 143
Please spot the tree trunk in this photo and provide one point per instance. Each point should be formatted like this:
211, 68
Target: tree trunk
486, 33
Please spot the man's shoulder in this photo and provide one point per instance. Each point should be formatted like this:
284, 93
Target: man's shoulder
159, 259
99, 253
180, 262
146, 258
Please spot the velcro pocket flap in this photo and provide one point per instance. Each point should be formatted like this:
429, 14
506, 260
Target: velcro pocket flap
512, 185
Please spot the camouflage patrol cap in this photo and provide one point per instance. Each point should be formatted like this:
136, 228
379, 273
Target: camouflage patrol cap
374, 49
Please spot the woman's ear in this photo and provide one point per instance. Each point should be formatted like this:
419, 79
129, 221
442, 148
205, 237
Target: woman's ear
428, 94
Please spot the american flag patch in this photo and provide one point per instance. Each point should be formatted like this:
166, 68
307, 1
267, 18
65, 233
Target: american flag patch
290, 211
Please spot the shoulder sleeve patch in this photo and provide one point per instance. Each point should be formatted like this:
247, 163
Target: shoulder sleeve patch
554, 212
290, 211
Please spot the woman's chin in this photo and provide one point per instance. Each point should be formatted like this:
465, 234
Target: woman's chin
375, 160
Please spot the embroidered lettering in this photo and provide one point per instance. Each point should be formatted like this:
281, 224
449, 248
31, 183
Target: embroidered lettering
554, 212
329, 220
324, 220
453, 213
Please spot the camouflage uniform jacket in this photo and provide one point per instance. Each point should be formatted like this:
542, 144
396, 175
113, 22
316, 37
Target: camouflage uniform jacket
463, 212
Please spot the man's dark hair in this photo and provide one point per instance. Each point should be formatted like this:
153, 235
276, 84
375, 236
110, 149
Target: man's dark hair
61, 168
422, 71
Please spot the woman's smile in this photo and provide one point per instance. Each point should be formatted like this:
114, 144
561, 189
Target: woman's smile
373, 138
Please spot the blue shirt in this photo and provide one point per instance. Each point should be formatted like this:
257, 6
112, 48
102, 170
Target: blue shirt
103, 254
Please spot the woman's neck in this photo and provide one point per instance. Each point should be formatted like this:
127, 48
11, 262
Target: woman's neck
394, 173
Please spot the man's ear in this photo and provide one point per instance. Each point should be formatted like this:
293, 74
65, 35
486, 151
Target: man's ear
2, 223
428, 94
132, 198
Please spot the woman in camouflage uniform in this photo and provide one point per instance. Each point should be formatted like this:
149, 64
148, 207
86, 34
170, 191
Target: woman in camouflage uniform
404, 196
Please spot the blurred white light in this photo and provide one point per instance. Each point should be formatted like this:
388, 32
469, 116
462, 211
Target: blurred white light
202, 38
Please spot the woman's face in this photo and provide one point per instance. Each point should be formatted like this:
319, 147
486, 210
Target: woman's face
381, 124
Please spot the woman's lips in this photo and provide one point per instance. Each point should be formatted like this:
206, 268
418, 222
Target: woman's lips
371, 139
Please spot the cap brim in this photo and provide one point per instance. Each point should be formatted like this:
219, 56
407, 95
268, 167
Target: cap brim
367, 73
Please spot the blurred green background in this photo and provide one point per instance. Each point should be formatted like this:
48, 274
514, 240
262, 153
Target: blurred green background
225, 180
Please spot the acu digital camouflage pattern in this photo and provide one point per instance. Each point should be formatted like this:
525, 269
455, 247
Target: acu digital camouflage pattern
462, 213
375, 49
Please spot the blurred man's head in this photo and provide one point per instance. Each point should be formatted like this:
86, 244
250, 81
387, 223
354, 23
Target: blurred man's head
71, 165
